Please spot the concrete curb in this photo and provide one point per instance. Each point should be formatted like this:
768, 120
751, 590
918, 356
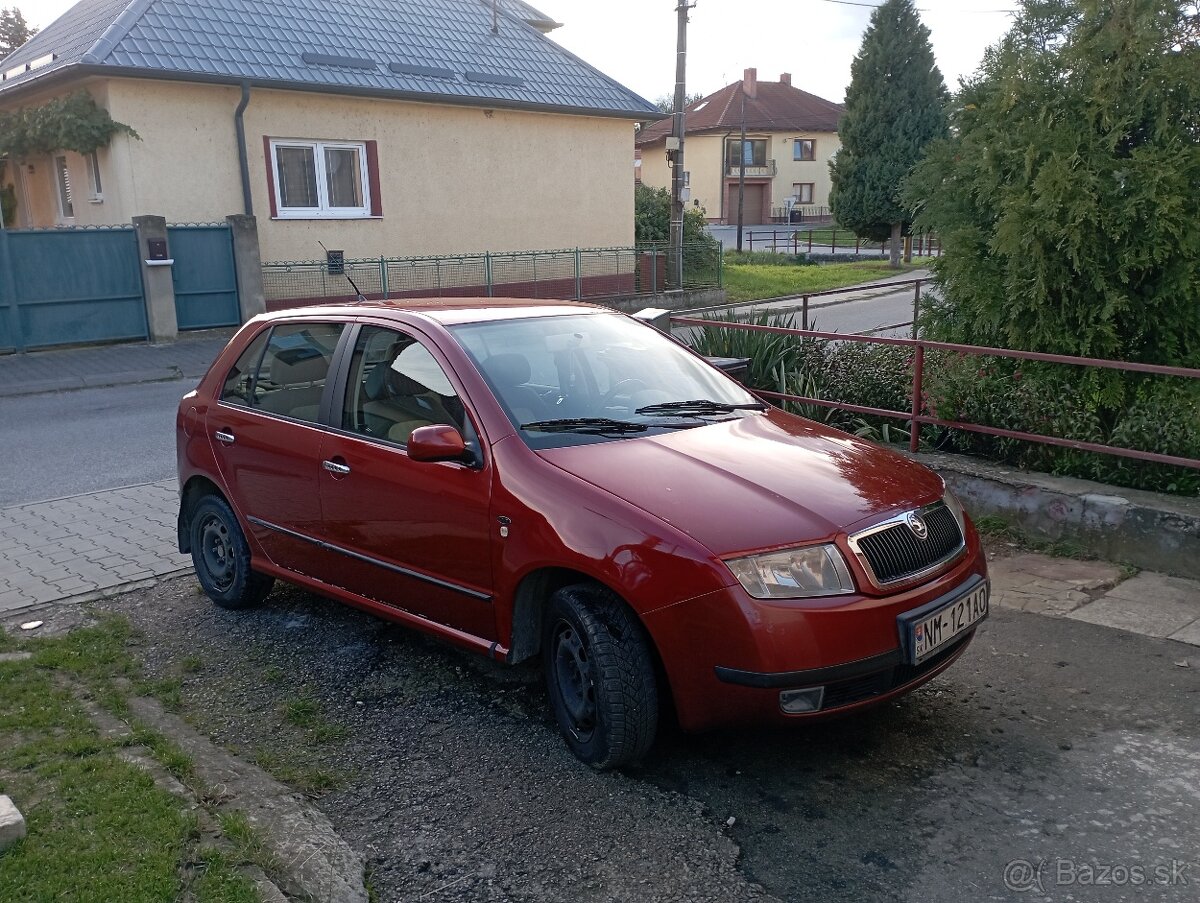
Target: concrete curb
1145, 529
102, 380
317, 864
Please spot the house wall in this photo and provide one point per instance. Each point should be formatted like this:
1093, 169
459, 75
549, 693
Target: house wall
815, 171
705, 161
702, 159
452, 179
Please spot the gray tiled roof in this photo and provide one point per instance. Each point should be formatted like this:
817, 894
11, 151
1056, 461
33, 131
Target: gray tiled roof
424, 49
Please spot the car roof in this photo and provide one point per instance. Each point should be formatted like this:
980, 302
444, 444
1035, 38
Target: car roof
447, 311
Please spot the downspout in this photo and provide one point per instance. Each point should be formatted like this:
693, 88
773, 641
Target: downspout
243, 160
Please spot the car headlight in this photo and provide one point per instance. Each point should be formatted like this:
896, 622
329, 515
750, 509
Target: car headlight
794, 573
951, 501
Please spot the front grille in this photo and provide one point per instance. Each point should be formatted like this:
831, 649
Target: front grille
856, 689
895, 552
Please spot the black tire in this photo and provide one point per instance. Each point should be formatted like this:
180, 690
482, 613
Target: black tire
600, 676
221, 556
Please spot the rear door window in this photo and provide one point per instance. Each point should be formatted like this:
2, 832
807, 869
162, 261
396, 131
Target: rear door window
291, 372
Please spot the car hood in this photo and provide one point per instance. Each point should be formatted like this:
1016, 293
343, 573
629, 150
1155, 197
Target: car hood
757, 482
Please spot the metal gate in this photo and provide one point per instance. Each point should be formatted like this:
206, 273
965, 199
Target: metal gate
68, 286
206, 292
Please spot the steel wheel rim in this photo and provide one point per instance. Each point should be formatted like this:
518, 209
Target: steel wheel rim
572, 671
216, 551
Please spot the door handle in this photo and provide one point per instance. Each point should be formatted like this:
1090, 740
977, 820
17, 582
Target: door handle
334, 467
223, 436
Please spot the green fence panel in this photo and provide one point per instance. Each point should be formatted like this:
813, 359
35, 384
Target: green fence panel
69, 286
206, 294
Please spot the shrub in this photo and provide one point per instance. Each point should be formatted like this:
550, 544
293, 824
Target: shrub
768, 258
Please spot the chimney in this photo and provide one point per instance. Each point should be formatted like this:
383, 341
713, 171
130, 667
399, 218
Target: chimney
750, 83
786, 79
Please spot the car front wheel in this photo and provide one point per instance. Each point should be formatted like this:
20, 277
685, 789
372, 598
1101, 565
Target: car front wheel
600, 676
221, 556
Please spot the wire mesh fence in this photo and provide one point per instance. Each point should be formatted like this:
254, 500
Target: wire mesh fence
594, 274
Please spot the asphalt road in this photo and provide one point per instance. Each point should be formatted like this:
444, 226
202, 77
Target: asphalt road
870, 313
1055, 761
879, 311
64, 443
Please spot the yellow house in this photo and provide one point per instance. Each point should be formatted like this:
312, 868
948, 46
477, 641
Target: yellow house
410, 128
791, 136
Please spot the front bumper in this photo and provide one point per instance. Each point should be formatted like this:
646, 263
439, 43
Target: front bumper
729, 656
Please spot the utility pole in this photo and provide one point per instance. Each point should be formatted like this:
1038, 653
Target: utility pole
675, 148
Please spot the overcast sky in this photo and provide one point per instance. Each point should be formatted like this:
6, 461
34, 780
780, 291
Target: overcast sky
815, 40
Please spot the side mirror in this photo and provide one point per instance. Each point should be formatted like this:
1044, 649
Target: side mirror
438, 442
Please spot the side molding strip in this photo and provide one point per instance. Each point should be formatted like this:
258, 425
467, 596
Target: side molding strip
387, 566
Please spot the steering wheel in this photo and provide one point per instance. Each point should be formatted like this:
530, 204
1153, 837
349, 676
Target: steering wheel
623, 389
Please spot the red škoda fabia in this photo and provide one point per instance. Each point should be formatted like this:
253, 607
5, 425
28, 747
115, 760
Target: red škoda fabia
527, 478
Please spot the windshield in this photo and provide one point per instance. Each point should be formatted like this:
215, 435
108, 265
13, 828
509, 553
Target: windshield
597, 377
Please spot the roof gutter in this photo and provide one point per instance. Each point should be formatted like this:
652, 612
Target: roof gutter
243, 160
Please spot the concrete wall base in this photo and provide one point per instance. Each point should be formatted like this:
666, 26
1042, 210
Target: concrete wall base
1145, 529
684, 300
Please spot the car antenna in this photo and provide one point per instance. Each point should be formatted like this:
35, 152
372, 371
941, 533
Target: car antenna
335, 263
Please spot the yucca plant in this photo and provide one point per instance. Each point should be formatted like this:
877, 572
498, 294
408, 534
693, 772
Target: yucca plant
767, 351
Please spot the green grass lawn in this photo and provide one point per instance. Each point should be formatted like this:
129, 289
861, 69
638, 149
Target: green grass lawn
754, 282
99, 828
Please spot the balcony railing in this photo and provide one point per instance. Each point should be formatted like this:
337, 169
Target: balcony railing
766, 170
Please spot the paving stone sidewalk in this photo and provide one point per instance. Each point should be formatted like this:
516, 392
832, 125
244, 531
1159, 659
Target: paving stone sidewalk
86, 546
56, 370
1099, 593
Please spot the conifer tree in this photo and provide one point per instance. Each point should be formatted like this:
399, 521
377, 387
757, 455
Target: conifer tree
1066, 199
895, 106
14, 30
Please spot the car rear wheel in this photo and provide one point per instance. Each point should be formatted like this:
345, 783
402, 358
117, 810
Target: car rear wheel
221, 556
600, 676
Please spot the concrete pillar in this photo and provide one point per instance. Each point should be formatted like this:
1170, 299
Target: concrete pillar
247, 263
158, 284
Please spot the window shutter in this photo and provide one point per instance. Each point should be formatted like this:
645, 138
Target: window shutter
373, 178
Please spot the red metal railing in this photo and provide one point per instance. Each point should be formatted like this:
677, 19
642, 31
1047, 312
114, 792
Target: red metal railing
804, 306
917, 416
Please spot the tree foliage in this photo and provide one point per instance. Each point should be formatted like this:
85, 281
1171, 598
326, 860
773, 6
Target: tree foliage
14, 30
652, 218
895, 106
666, 103
1067, 199
72, 123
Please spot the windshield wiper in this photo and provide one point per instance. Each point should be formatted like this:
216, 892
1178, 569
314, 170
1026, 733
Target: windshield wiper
699, 406
598, 425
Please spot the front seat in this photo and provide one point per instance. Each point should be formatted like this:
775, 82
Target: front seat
510, 374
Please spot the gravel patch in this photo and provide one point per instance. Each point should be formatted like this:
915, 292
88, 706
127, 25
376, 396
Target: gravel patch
443, 770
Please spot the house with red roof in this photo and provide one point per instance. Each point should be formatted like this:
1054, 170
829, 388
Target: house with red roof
791, 136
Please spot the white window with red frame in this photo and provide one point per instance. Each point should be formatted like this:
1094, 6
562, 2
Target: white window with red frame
323, 179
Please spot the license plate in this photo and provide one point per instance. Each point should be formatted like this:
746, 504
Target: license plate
934, 632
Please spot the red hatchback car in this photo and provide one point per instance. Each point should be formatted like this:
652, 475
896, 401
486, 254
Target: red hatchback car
530, 478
